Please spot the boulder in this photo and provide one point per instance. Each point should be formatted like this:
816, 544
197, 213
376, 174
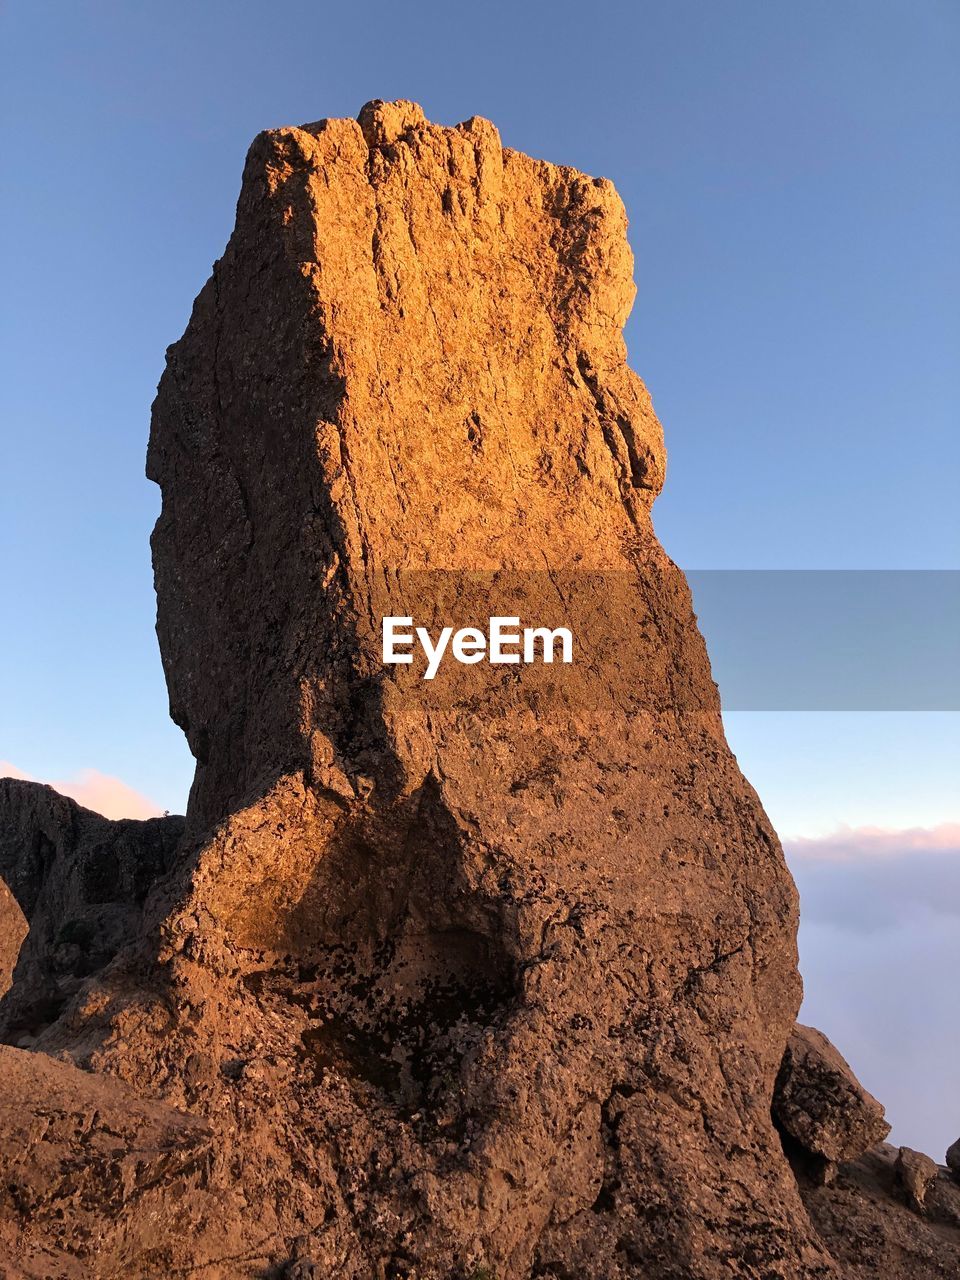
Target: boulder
953, 1159
821, 1105
914, 1172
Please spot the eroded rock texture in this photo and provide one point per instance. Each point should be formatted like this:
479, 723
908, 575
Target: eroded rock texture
13, 930
544, 962
875, 1232
90, 1174
820, 1105
490, 980
79, 881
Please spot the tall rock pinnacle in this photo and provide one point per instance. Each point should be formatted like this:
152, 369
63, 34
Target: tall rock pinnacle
549, 946
410, 356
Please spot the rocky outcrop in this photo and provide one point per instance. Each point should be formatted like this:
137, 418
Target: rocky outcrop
13, 930
487, 975
863, 1218
953, 1159
80, 882
914, 1173
538, 942
77, 1149
821, 1106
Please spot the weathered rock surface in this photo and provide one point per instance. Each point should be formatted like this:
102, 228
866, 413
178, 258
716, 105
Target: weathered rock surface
541, 952
914, 1173
953, 1158
80, 880
91, 1176
13, 930
821, 1105
491, 977
873, 1234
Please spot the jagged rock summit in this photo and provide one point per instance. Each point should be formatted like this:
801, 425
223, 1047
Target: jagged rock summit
490, 977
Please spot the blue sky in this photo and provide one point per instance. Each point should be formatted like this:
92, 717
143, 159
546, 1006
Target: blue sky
791, 178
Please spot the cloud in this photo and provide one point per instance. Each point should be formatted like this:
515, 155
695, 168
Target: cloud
879, 954
865, 879
851, 844
94, 790
8, 770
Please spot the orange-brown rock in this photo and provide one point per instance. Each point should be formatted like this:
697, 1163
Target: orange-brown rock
541, 953
820, 1105
487, 976
90, 1174
13, 930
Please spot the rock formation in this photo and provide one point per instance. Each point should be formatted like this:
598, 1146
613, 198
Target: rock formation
863, 1218
80, 881
13, 930
820, 1105
486, 977
914, 1173
545, 963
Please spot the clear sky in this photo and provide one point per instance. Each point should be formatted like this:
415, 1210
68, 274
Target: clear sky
790, 172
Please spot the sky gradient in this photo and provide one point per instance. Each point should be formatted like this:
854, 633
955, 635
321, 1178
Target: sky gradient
790, 173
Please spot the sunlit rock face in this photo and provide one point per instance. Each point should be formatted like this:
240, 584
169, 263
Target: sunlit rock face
13, 930
489, 974
540, 935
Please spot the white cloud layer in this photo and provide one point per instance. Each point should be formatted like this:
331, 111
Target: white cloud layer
880, 956
852, 844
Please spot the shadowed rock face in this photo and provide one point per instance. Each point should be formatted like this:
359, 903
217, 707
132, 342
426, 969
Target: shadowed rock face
80, 882
486, 977
872, 1225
